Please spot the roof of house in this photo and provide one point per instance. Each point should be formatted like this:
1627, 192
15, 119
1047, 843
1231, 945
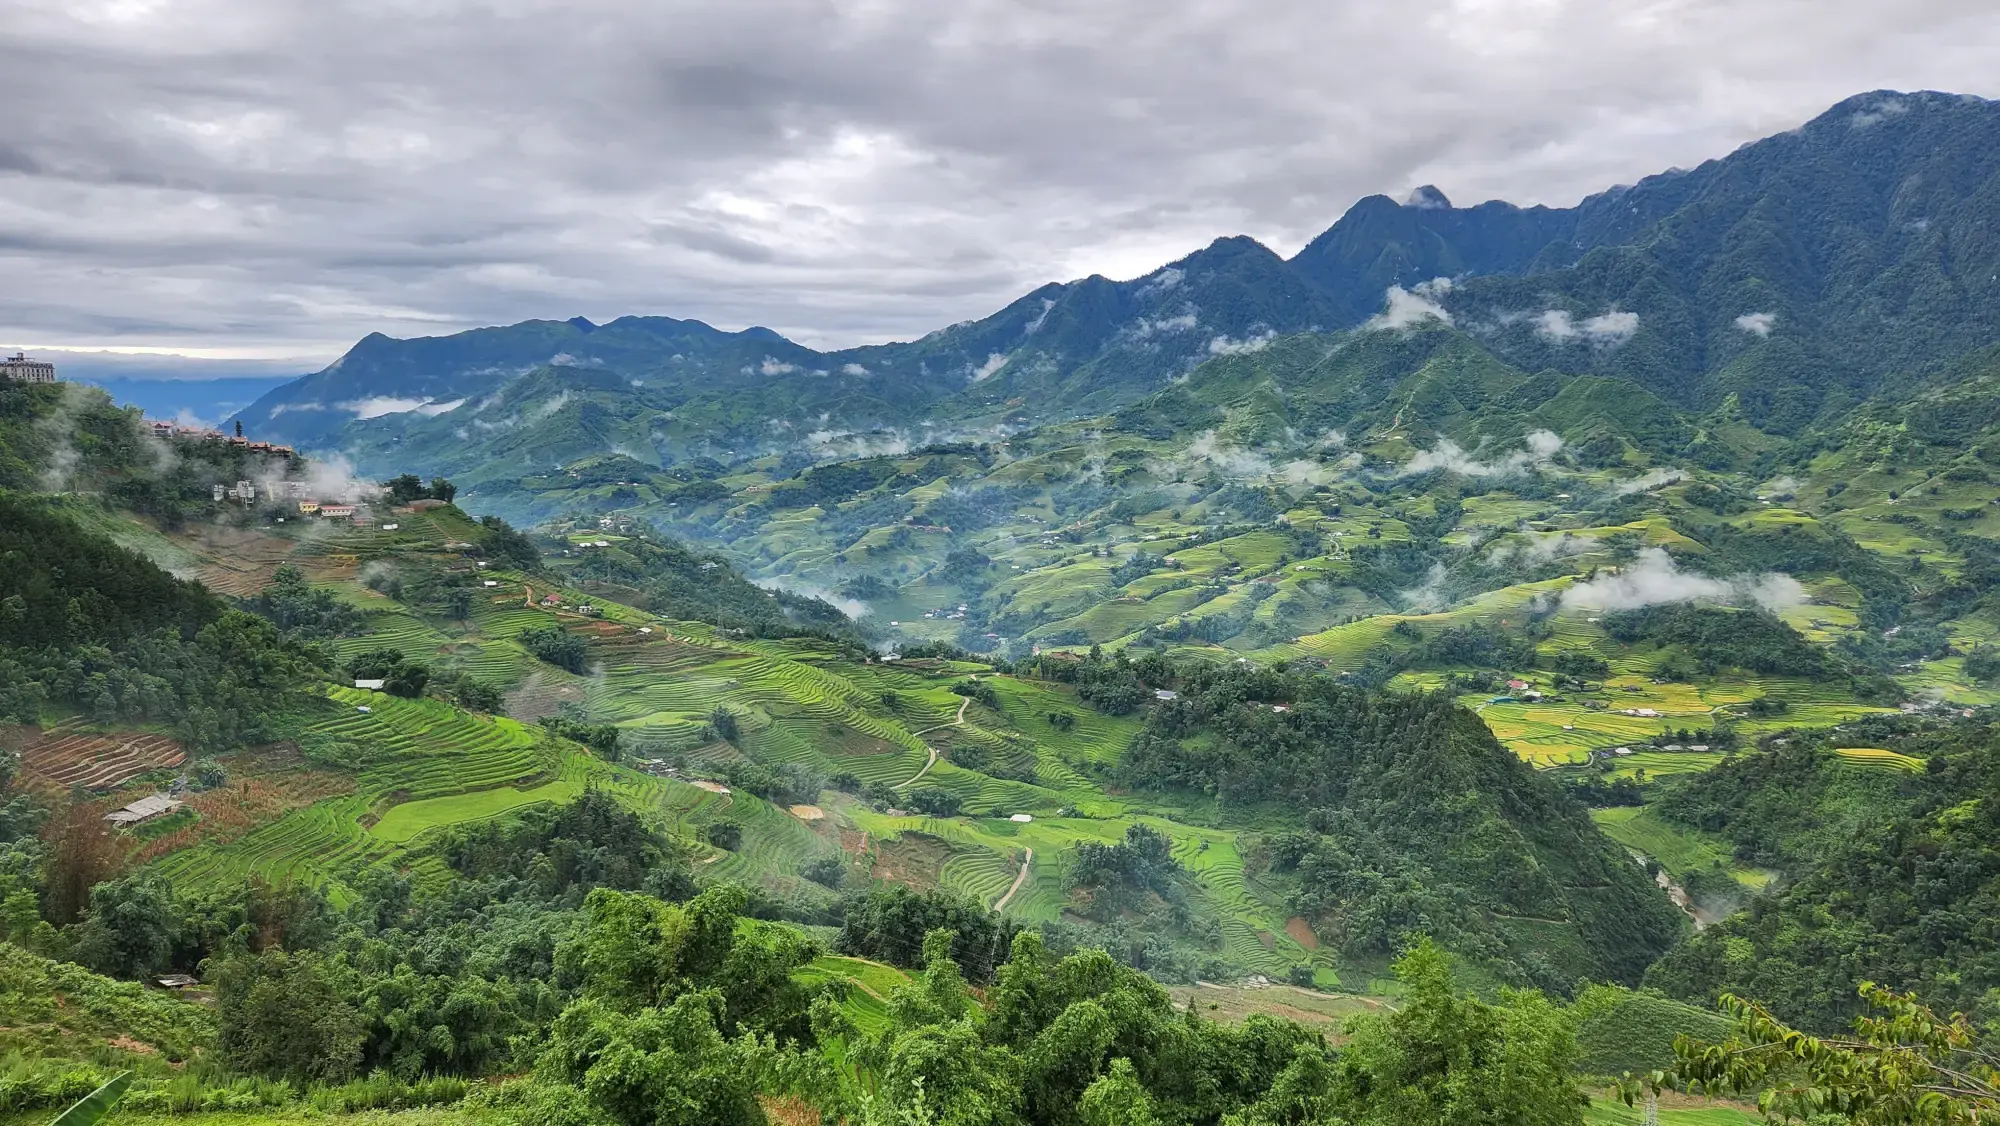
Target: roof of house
150, 806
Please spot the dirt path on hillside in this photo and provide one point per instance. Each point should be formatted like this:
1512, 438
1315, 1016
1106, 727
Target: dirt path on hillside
1020, 878
962, 704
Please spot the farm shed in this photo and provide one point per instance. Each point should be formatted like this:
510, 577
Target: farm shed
145, 809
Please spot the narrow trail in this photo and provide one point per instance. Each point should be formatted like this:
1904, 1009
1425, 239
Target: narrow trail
1020, 878
962, 704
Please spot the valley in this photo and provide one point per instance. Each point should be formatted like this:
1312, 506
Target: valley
1522, 630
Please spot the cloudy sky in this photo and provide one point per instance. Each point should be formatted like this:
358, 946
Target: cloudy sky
275, 178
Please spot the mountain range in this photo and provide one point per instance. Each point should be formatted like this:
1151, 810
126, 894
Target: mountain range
1802, 273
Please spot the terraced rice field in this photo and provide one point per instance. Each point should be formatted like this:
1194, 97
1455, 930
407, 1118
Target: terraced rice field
1878, 759
99, 762
415, 750
1679, 850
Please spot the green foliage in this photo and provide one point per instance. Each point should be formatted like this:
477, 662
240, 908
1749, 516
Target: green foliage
1428, 823
506, 546
665, 1066
133, 928
288, 1014
934, 801
1892, 877
1904, 1064
301, 611
555, 645
92, 624
1624, 1030
96, 1106
681, 583
601, 738
889, 922
1718, 639
78, 1008
1143, 861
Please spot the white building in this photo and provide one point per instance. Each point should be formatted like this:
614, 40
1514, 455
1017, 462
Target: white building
20, 368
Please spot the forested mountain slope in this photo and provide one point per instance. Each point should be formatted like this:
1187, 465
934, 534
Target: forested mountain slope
1800, 274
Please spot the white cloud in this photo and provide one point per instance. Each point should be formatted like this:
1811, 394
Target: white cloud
852, 607
1653, 577
1454, 458
1646, 482
993, 364
1161, 281
1256, 342
1758, 323
772, 366
1182, 323
548, 407
1879, 112
1428, 596
1555, 324
1614, 327
845, 173
1407, 308
1233, 461
853, 369
379, 405
433, 409
1540, 547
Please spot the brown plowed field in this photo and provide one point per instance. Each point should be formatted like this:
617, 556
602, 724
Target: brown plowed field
98, 762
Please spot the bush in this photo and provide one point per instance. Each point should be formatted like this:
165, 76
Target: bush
827, 871
722, 722
935, 802
725, 834
555, 645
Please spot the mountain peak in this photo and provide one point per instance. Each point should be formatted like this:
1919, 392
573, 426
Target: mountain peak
581, 324
1427, 198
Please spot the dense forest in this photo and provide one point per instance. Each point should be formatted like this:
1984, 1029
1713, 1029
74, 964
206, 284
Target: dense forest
97, 627
1415, 819
1897, 876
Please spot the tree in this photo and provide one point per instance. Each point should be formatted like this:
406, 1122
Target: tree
722, 721
406, 679
404, 489
1117, 1099
666, 1066
1903, 1065
725, 834
1445, 1059
133, 927
935, 802
555, 645
442, 489
287, 1015
507, 547
81, 854
478, 695
827, 871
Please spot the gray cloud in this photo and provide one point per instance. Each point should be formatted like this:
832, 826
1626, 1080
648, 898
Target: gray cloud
280, 178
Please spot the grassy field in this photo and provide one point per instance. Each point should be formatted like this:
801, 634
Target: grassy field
1679, 850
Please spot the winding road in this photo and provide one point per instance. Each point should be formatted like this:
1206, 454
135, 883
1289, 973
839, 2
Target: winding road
1020, 878
962, 704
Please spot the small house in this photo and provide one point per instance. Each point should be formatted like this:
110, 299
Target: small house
1022, 818
145, 809
337, 511
1165, 694
308, 507
371, 685
176, 981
